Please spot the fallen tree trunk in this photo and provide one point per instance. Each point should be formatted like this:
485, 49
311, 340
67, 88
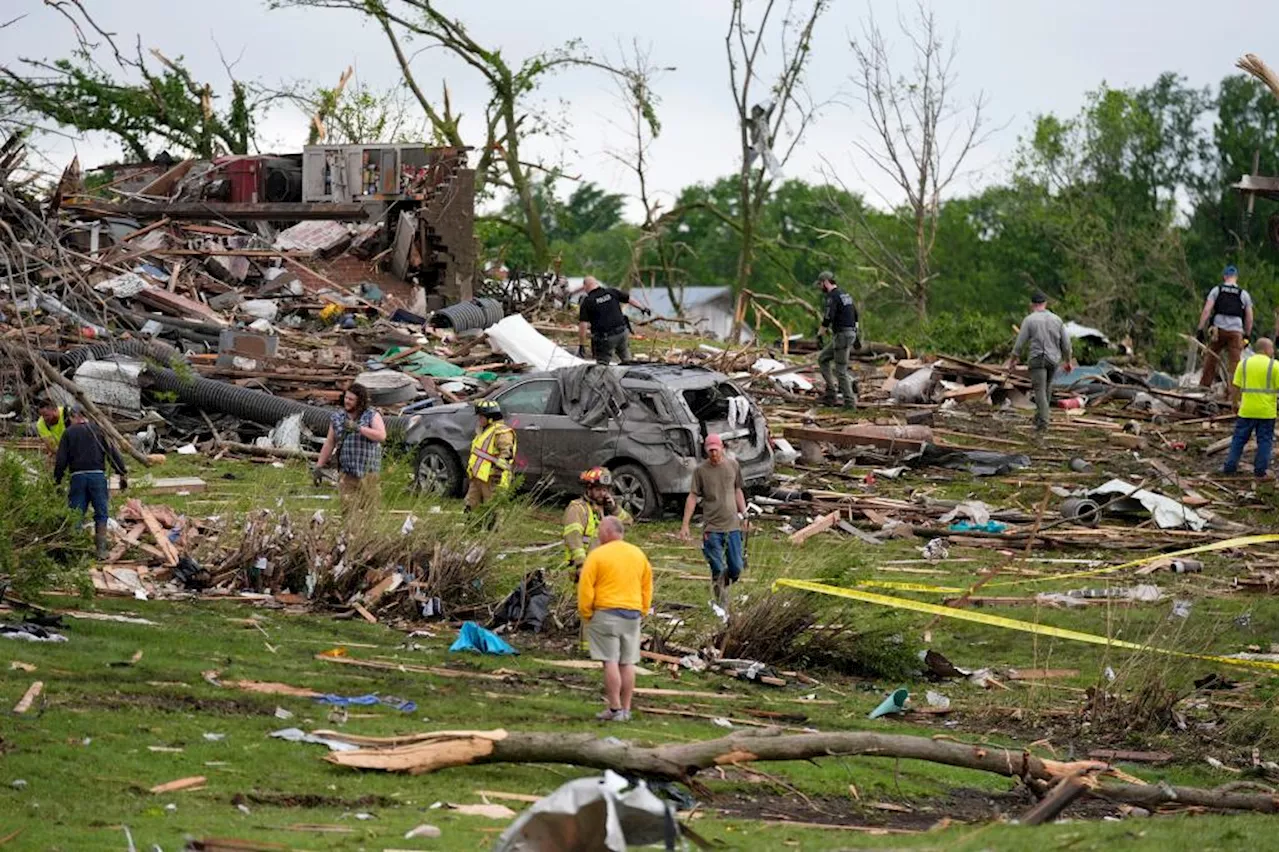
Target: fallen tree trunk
681, 761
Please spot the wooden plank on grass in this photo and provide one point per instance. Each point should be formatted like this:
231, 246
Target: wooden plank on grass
510, 797
189, 783
29, 697
822, 524
1041, 674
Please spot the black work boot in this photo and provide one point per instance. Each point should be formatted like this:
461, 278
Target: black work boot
100, 540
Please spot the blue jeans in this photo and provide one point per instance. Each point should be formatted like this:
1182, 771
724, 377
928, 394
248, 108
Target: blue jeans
89, 489
1246, 426
716, 546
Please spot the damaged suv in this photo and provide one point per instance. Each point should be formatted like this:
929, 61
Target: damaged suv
646, 423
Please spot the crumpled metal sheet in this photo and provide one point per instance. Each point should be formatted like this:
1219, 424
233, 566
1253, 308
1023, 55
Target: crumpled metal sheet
590, 814
1168, 513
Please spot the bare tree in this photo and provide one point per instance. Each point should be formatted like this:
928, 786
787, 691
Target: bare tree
508, 117
765, 107
639, 102
919, 139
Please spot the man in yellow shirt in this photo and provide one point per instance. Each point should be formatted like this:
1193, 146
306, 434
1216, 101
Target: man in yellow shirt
614, 592
52, 423
1258, 378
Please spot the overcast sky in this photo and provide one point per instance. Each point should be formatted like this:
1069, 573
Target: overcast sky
1027, 56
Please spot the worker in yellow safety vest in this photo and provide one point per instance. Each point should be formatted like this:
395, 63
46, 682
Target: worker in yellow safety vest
1258, 379
493, 453
51, 424
582, 516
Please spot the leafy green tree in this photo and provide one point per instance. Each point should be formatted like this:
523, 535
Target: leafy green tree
143, 107
1114, 175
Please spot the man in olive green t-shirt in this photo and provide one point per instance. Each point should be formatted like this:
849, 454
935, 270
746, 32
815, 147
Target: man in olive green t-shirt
717, 482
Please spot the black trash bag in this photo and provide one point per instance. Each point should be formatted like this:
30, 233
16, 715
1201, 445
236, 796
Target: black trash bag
191, 575
527, 607
977, 462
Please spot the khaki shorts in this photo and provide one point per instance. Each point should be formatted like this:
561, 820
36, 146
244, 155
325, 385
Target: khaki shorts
614, 639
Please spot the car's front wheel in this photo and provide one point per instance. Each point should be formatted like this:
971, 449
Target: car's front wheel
633, 489
438, 472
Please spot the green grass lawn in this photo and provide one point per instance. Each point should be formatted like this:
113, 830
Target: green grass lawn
106, 731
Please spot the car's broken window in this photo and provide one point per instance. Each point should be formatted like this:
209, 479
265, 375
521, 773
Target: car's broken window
651, 408
711, 403
529, 398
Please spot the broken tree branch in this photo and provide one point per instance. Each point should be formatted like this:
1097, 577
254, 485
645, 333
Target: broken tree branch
681, 761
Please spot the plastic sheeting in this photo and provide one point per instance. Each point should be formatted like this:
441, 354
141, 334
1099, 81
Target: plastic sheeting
1167, 512
473, 637
592, 814
788, 380
523, 344
527, 607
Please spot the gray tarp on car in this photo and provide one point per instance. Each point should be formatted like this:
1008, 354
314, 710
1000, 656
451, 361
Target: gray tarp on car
591, 394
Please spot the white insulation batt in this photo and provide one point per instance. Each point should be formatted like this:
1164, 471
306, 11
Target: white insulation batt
597, 813
1168, 513
112, 384
523, 344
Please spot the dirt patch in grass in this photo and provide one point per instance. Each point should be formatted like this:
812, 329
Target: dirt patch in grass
166, 703
311, 800
959, 805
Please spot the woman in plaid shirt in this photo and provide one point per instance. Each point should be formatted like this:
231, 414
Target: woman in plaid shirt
357, 432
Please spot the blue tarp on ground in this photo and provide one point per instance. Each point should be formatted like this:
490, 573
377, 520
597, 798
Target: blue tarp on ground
473, 637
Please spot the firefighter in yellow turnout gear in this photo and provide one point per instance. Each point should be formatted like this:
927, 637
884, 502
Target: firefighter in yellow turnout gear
493, 453
582, 516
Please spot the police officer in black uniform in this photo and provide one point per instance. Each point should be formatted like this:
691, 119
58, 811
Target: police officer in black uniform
1228, 314
841, 320
601, 314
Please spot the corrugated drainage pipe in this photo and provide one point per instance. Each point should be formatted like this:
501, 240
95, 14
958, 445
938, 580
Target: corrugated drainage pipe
249, 403
152, 350
465, 316
210, 394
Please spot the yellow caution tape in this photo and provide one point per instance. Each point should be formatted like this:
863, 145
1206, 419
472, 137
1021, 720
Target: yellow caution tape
1243, 541
910, 587
1009, 623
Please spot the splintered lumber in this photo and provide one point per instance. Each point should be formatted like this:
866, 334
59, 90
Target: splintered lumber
1041, 674
165, 485
1055, 801
222, 211
681, 761
823, 524
968, 393
858, 436
157, 532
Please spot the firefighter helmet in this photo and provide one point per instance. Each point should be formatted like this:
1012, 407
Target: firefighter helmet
489, 408
596, 476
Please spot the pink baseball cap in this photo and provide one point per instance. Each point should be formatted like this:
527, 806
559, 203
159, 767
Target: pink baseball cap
715, 442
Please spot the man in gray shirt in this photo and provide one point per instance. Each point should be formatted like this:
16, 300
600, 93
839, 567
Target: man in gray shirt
1048, 345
